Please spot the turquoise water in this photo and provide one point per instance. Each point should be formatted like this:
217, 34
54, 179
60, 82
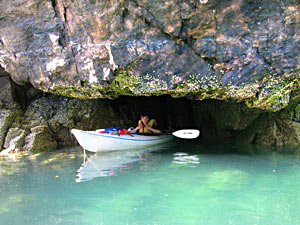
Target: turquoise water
180, 183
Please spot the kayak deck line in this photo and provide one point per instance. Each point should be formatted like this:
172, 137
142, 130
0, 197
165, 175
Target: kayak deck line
127, 139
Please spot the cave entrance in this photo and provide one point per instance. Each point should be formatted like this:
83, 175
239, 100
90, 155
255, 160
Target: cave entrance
215, 119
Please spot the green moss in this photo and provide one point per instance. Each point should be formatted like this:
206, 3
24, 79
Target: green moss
43, 140
122, 85
272, 93
276, 93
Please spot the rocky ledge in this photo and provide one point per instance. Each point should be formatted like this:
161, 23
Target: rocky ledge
244, 54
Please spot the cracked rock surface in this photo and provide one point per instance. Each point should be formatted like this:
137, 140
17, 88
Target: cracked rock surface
198, 49
246, 53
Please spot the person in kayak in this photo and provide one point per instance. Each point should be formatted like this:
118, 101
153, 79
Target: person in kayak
146, 125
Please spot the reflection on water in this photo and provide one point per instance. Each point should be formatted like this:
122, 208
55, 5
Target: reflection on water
112, 163
186, 159
181, 183
108, 164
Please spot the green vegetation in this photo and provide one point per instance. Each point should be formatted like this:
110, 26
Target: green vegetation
276, 93
272, 93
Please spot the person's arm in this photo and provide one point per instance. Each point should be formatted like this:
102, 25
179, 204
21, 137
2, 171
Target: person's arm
152, 129
140, 125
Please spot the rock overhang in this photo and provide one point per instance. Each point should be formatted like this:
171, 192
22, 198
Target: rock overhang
233, 50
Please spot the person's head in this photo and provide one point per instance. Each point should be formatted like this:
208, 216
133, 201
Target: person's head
145, 117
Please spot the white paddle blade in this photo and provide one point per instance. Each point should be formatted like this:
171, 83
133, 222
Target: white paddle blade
187, 134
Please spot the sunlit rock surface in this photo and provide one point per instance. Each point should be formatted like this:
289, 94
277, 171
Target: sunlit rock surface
244, 53
242, 50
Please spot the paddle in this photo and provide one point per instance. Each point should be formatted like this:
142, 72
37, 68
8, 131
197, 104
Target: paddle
186, 133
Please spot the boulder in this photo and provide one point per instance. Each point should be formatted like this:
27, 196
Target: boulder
39, 139
13, 141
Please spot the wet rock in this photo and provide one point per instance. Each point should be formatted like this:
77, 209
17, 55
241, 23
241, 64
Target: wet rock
288, 132
14, 139
39, 139
297, 114
52, 118
6, 120
225, 120
275, 131
47, 121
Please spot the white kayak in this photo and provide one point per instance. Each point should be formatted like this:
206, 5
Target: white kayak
96, 142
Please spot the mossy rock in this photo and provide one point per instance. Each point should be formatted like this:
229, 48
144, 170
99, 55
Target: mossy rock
40, 139
297, 113
6, 120
14, 136
288, 132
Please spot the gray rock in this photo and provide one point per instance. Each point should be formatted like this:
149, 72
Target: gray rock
238, 51
39, 139
84, 43
5, 87
6, 120
14, 140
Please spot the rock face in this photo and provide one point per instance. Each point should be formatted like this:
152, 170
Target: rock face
45, 124
239, 49
5, 84
244, 52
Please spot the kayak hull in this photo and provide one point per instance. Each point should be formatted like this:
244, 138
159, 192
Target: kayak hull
97, 142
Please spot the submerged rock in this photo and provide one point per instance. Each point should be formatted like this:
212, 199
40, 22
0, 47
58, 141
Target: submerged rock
227, 180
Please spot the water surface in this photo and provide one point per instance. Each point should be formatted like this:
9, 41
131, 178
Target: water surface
179, 183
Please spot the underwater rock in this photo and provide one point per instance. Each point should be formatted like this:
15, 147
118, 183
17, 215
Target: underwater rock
227, 180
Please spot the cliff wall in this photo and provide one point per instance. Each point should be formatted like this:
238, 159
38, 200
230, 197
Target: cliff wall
234, 49
240, 56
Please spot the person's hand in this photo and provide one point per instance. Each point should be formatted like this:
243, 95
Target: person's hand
138, 127
147, 126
